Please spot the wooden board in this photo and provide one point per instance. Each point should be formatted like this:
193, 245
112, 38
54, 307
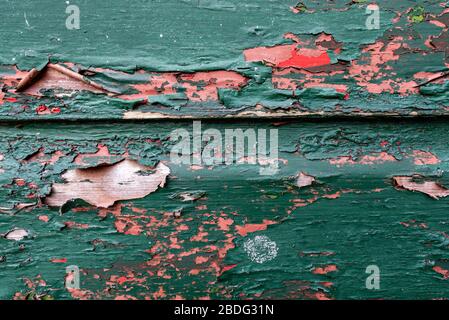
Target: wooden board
188, 238
314, 146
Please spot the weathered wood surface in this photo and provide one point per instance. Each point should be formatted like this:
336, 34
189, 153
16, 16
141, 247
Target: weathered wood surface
216, 58
86, 117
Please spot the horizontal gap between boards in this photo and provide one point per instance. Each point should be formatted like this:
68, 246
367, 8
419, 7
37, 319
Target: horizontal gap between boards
292, 119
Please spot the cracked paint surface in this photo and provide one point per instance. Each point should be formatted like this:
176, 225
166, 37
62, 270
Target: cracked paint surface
325, 222
348, 193
242, 59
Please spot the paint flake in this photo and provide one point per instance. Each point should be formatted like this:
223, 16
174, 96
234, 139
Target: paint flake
415, 183
102, 186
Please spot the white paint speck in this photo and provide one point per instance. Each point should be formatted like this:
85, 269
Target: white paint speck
16, 234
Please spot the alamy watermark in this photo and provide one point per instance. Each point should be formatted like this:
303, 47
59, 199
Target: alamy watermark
261, 249
373, 280
373, 20
72, 278
237, 146
72, 22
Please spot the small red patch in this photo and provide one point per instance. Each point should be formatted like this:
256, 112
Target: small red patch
41, 108
227, 268
43, 218
443, 272
20, 182
249, 228
325, 270
121, 280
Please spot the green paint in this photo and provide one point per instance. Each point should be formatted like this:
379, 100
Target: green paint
360, 227
212, 35
163, 246
130, 36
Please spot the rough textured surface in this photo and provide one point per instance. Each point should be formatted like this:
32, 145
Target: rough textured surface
227, 57
349, 193
188, 239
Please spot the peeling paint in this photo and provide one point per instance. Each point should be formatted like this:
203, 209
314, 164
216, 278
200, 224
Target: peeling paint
84, 184
103, 186
417, 183
305, 62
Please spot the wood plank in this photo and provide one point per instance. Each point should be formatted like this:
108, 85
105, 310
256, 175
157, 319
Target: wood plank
228, 231
225, 58
313, 137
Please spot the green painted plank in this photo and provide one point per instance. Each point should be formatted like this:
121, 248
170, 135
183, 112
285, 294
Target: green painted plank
216, 58
244, 235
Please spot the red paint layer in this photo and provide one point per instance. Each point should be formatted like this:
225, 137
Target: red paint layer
288, 56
